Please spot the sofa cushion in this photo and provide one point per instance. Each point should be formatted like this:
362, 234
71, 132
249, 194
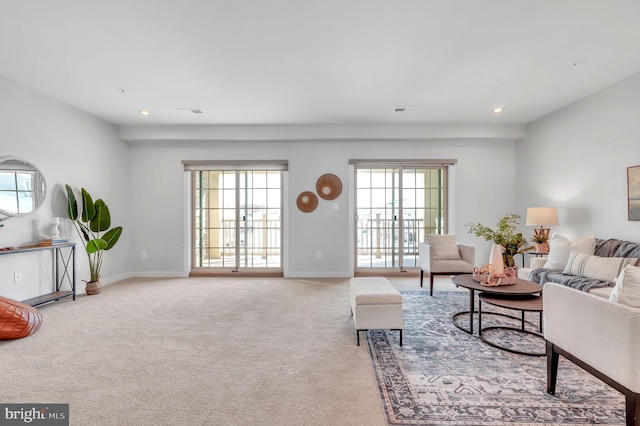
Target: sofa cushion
560, 248
453, 266
627, 288
596, 267
603, 292
444, 246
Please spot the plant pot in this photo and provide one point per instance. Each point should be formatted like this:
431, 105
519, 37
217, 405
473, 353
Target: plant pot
93, 287
510, 250
541, 247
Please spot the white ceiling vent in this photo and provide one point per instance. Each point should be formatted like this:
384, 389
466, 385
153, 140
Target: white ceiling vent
193, 110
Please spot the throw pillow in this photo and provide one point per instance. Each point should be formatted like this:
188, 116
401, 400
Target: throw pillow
558, 252
627, 288
444, 246
560, 249
586, 245
596, 267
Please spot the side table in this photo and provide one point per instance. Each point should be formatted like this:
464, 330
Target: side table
532, 253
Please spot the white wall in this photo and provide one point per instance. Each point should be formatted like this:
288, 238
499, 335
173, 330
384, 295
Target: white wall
68, 146
484, 191
576, 159
145, 186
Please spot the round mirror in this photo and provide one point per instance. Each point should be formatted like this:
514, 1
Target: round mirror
22, 186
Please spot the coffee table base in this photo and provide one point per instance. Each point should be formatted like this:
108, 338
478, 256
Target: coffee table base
470, 330
504, 348
523, 304
521, 288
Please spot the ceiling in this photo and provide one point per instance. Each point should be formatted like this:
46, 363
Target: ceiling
319, 61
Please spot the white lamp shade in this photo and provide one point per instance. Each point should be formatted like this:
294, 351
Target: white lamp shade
542, 216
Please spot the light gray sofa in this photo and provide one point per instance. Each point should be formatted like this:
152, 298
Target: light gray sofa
600, 336
585, 327
603, 248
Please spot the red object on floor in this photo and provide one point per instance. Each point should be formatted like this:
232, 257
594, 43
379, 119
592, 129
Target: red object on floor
17, 320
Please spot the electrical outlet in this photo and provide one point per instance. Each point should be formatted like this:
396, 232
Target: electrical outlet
318, 255
17, 277
143, 255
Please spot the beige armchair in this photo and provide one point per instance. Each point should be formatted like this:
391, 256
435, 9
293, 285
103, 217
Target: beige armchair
434, 264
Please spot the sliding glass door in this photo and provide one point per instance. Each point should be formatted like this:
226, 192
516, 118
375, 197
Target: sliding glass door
237, 220
396, 207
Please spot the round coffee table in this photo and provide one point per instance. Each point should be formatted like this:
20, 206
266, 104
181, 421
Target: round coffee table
521, 287
522, 303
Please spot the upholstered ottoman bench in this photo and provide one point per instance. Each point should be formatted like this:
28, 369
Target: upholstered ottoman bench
375, 305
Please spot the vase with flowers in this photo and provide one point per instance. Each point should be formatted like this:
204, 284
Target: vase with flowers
506, 236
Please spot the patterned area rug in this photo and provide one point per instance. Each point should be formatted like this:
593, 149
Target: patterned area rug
444, 376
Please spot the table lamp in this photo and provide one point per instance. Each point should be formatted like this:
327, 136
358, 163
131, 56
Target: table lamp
541, 216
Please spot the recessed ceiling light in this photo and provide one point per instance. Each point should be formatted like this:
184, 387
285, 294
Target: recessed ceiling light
498, 110
144, 112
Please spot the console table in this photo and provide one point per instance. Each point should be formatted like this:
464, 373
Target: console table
63, 270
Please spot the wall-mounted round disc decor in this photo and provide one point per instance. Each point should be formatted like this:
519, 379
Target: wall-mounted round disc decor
307, 201
329, 186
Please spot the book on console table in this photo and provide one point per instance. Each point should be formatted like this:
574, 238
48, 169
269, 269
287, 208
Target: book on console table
53, 241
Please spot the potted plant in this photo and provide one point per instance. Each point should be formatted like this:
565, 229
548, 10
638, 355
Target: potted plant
505, 235
541, 244
92, 226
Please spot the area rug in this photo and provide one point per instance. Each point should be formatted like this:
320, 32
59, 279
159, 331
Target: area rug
444, 376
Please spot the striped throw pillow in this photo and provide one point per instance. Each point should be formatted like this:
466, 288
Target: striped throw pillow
596, 267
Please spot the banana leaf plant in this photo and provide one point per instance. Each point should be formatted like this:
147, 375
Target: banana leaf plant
92, 226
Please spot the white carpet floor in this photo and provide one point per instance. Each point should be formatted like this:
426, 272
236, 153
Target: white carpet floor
200, 351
